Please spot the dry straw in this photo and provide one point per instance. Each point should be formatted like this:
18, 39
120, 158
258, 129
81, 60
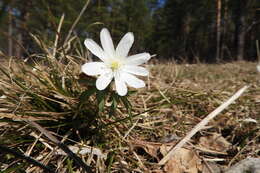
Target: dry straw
202, 124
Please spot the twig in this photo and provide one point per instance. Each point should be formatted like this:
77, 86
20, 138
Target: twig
202, 124
128, 132
27, 158
76, 21
57, 36
62, 146
163, 95
29, 150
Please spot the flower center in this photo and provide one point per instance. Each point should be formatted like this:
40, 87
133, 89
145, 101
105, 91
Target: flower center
115, 65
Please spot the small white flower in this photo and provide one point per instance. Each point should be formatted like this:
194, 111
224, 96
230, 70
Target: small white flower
116, 64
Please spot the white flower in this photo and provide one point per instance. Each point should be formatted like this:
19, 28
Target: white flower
116, 64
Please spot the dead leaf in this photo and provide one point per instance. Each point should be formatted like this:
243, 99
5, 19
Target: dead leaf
214, 142
150, 148
183, 161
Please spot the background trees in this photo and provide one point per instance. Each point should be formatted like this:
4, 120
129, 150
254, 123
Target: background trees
202, 30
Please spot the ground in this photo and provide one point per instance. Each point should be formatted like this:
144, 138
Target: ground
177, 97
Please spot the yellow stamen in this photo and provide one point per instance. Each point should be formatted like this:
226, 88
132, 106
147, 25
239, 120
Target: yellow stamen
115, 65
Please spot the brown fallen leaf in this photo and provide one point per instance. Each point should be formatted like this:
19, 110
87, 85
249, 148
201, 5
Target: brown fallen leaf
214, 142
150, 148
183, 161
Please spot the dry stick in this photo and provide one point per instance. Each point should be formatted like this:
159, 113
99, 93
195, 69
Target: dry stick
77, 20
202, 124
29, 159
62, 146
57, 36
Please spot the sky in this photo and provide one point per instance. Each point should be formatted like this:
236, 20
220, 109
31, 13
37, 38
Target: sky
161, 2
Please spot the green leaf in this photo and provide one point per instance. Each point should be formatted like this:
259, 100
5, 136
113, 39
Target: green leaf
111, 158
69, 165
114, 104
101, 100
127, 105
131, 92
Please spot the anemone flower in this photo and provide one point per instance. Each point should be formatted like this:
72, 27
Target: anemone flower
115, 64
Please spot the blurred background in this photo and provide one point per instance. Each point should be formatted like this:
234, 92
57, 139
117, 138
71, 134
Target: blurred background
182, 30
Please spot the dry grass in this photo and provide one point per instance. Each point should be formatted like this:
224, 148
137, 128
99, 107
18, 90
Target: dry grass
46, 104
177, 98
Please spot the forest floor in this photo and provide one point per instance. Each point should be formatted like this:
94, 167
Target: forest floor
176, 99
191, 92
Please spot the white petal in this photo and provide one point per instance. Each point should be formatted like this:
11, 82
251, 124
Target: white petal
93, 68
107, 42
121, 87
141, 71
103, 81
125, 44
138, 59
94, 48
133, 81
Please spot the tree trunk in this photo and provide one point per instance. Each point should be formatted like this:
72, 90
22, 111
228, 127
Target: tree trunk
10, 33
23, 35
218, 29
241, 40
224, 30
240, 24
